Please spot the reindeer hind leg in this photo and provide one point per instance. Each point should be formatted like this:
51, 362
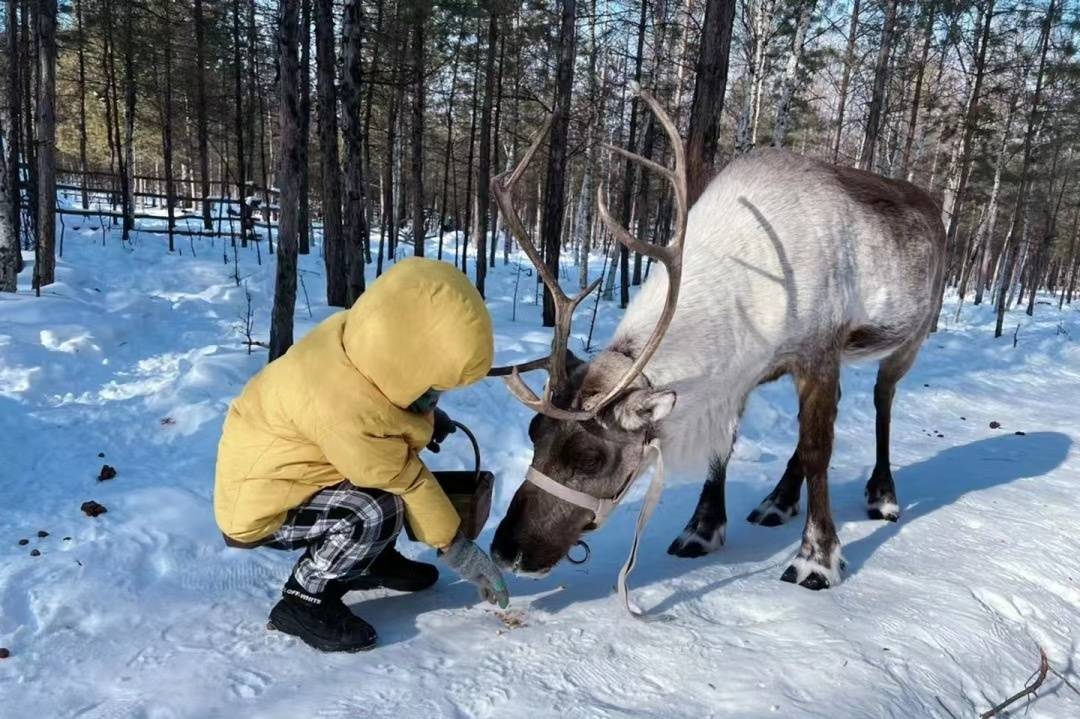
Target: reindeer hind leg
881, 502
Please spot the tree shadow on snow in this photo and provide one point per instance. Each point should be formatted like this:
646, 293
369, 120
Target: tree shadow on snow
922, 488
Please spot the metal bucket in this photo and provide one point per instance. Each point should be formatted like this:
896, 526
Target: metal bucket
469, 492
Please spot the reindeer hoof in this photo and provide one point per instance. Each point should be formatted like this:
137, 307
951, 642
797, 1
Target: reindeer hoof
883, 508
815, 572
814, 580
691, 543
771, 513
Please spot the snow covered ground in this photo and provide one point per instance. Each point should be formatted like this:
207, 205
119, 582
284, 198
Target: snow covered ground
143, 612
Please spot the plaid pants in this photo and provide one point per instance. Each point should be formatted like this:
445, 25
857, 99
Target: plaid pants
343, 529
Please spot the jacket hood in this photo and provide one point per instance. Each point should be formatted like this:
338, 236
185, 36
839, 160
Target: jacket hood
421, 325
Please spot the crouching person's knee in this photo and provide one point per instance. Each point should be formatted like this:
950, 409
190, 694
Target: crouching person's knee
387, 511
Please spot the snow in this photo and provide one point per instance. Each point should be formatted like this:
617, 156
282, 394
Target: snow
145, 613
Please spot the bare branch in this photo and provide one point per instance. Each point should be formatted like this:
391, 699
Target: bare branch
1044, 667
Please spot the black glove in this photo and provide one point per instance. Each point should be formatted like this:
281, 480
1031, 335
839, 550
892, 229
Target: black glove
444, 427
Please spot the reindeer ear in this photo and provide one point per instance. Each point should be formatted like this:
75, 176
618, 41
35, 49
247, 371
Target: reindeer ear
643, 408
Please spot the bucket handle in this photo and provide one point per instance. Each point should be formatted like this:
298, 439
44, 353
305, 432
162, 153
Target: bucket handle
475, 446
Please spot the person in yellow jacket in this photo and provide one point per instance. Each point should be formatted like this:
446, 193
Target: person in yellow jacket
321, 450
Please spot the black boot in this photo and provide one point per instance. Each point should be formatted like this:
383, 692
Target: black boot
394, 571
321, 620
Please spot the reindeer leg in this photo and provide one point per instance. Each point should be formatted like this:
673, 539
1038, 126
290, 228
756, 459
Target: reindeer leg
783, 502
707, 528
881, 500
818, 563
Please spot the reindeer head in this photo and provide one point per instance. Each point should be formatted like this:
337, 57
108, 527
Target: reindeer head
597, 458
594, 421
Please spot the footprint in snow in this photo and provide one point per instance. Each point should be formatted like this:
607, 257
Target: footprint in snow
246, 684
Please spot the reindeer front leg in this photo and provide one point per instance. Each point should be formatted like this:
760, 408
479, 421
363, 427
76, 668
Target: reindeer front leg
818, 562
707, 527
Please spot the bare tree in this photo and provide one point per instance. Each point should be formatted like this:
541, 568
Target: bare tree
288, 37
849, 63
333, 244
709, 87
45, 269
239, 122
355, 225
760, 24
9, 240
304, 245
80, 52
14, 128
554, 197
788, 82
1019, 213
201, 120
419, 64
881, 76
447, 154
483, 170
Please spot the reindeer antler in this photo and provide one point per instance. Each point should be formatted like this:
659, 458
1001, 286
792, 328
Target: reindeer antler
670, 257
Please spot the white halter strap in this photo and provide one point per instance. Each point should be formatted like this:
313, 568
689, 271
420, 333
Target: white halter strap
602, 508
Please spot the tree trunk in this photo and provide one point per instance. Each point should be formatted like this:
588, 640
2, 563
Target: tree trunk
469, 170
1068, 269
845, 80
240, 121
913, 120
787, 84
447, 155
45, 270
9, 240
29, 64
630, 168
1051, 229
355, 226
281, 323
970, 126
1017, 230
760, 24
249, 115
202, 123
390, 215
881, 75
333, 243
592, 159
369, 103
982, 40
167, 132
127, 161
304, 244
14, 111
554, 195
83, 165
708, 102
986, 231
494, 241
483, 170
419, 65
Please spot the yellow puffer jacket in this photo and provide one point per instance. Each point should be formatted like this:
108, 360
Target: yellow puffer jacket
333, 407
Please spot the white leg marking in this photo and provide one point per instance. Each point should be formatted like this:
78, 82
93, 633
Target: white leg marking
710, 541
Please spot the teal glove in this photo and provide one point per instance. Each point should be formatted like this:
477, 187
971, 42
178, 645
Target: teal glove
476, 567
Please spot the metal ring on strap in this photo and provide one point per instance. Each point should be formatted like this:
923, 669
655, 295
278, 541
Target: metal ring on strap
583, 545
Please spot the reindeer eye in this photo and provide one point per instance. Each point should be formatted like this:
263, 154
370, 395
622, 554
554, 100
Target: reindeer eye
583, 457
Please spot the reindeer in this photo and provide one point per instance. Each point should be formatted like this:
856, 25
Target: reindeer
784, 265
